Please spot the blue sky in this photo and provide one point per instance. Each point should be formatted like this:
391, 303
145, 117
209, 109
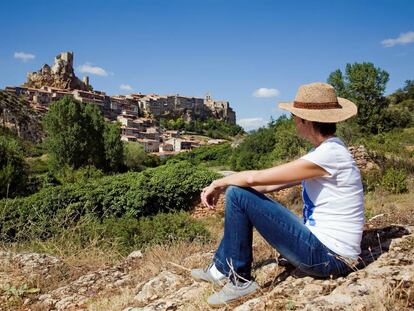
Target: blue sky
251, 53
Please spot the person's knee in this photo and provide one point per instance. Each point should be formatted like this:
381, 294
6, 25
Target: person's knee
232, 192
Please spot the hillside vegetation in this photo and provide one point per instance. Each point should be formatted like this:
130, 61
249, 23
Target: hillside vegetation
89, 199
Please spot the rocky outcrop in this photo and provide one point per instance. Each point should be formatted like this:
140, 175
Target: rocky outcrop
362, 158
60, 75
17, 115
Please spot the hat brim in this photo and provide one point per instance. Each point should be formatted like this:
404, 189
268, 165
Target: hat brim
347, 110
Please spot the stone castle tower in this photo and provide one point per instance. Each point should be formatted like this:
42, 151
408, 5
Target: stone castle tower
60, 75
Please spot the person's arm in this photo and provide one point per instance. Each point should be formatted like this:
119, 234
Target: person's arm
292, 172
273, 188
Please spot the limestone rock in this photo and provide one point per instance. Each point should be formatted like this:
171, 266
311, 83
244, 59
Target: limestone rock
77, 292
60, 75
165, 283
135, 255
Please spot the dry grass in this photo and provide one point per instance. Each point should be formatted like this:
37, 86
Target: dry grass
397, 208
69, 250
180, 258
396, 297
113, 303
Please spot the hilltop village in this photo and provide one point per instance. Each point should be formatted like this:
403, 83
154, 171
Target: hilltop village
137, 113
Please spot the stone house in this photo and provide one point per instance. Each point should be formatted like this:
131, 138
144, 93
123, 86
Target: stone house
166, 147
179, 144
150, 145
128, 138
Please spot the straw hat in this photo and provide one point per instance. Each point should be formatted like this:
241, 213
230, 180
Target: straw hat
318, 102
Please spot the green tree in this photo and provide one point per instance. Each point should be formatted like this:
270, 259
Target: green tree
405, 93
179, 123
364, 84
288, 144
267, 146
134, 156
77, 135
13, 172
114, 149
253, 152
336, 79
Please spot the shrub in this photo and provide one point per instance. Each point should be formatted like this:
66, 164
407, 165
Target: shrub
395, 118
211, 127
134, 156
392, 180
268, 146
37, 182
371, 180
388, 144
288, 144
395, 181
67, 174
214, 155
162, 189
13, 171
126, 234
253, 152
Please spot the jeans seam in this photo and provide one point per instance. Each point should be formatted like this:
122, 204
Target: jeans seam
286, 225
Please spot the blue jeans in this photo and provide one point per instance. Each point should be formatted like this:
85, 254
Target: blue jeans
247, 208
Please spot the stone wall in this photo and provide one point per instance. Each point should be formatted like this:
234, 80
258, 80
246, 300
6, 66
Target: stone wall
362, 158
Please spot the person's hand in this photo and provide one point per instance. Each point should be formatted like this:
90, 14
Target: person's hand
210, 196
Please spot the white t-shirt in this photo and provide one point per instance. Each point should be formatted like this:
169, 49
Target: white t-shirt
334, 204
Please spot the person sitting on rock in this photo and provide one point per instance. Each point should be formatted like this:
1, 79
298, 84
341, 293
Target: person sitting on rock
327, 240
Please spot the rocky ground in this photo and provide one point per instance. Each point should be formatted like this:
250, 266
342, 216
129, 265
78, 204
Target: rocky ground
383, 281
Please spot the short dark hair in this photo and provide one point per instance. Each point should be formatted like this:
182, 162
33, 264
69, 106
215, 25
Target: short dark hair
325, 129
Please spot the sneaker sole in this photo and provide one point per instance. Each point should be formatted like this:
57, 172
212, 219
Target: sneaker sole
237, 301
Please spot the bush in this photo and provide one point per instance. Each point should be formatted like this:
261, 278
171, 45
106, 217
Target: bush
395, 181
395, 118
392, 143
288, 144
36, 183
211, 127
213, 155
67, 174
371, 180
162, 189
253, 152
391, 180
126, 234
268, 146
134, 156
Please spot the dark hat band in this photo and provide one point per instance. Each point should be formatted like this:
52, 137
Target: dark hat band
302, 105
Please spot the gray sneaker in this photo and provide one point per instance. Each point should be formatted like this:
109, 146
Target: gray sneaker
231, 292
205, 275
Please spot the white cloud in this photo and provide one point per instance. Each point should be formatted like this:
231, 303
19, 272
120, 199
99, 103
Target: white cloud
24, 56
126, 87
403, 39
93, 70
251, 123
265, 92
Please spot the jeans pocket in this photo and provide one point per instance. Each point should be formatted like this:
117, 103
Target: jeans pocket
321, 269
